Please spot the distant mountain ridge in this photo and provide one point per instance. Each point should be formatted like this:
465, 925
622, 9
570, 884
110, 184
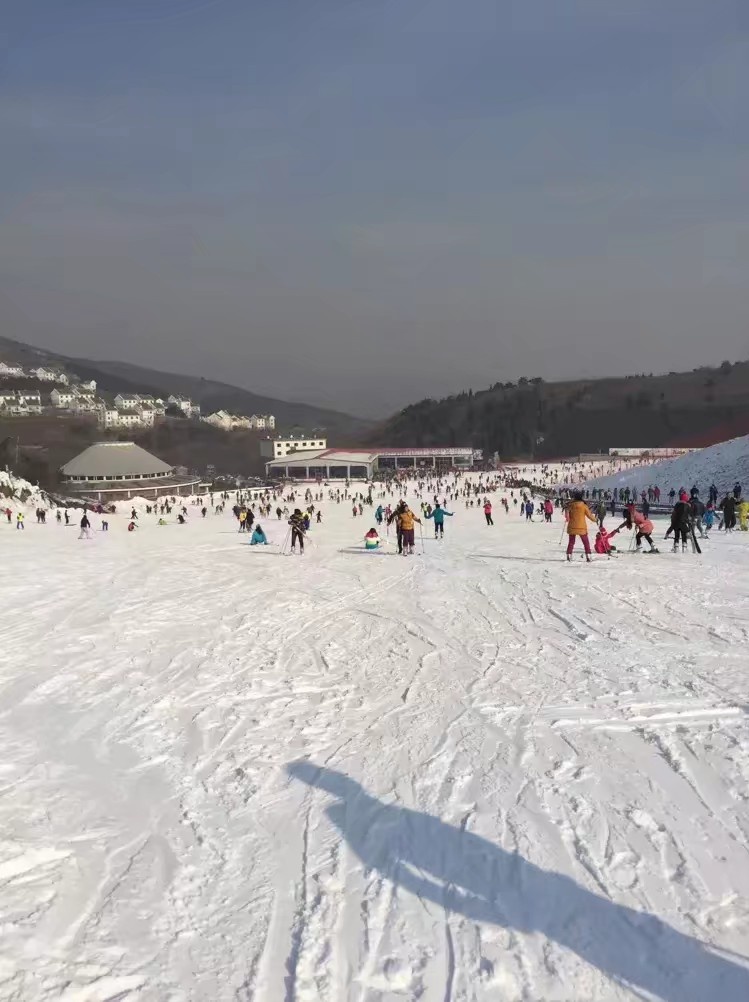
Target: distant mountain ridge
211, 394
533, 418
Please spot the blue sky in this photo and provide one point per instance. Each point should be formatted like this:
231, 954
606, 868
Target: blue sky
364, 203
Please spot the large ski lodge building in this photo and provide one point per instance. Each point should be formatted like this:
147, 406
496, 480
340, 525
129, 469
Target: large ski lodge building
362, 464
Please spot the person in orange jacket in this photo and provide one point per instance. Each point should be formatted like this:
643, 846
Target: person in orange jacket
577, 513
406, 522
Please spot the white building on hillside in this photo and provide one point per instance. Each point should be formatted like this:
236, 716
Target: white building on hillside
62, 398
8, 371
109, 417
220, 419
21, 404
85, 403
87, 386
45, 375
126, 401
184, 404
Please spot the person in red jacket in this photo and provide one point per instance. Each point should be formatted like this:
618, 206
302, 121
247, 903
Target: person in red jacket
488, 512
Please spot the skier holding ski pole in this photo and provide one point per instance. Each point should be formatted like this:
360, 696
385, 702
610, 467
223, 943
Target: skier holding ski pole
577, 513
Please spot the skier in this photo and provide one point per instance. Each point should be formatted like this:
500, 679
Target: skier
488, 511
577, 513
371, 540
395, 517
318, 516
549, 509
297, 531
737, 490
439, 521
698, 510
407, 520
258, 537
643, 528
85, 527
19, 521
681, 523
378, 515
529, 510
708, 519
728, 507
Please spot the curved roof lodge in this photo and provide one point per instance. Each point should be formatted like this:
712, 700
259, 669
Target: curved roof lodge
113, 471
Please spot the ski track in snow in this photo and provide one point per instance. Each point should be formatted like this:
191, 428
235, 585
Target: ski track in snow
515, 773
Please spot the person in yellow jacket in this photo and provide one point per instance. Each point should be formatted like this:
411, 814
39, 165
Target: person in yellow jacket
744, 516
577, 513
406, 521
19, 520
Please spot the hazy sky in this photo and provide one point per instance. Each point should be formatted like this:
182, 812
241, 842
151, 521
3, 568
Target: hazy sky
365, 202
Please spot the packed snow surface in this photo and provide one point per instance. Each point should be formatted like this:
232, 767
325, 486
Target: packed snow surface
474, 774
722, 464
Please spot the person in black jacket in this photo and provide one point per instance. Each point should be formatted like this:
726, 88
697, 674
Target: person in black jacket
297, 530
697, 509
681, 523
728, 507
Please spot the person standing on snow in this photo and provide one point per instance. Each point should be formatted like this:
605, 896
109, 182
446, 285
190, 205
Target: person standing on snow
407, 520
488, 511
297, 530
439, 520
394, 516
549, 509
728, 507
529, 510
85, 527
681, 523
577, 513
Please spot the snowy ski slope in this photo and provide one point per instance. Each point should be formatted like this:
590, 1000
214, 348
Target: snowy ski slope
722, 464
473, 775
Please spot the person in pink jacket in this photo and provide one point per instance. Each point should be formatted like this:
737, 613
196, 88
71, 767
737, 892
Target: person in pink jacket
642, 526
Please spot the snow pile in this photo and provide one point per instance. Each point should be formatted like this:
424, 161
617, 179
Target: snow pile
723, 464
17, 491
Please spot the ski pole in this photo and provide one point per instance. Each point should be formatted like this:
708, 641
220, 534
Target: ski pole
421, 533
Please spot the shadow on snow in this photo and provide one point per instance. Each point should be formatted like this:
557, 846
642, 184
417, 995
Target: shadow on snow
467, 875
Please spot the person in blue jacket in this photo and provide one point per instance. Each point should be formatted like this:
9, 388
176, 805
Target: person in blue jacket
439, 520
258, 537
529, 510
378, 515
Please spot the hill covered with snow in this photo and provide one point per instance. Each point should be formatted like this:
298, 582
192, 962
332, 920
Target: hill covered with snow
723, 464
15, 490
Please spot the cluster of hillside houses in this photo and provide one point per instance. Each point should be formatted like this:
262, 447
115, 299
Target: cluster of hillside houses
233, 422
128, 410
71, 395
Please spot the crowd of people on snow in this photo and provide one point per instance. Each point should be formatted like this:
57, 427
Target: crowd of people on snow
437, 494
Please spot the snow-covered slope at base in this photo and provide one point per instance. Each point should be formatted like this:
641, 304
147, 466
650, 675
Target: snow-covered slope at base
721, 464
478, 774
